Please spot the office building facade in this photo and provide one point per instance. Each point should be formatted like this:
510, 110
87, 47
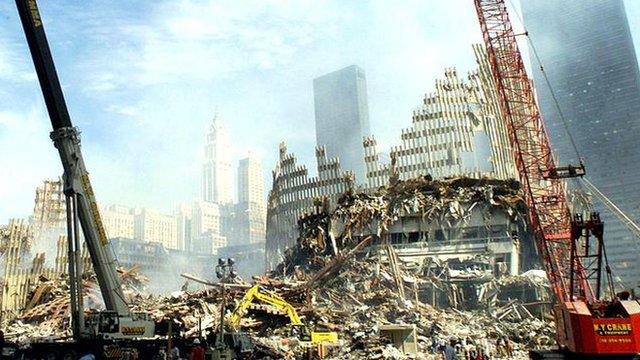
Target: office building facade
118, 221
590, 61
217, 175
251, 208
152, 226
342, 117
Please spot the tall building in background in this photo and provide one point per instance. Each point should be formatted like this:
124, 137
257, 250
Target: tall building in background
151, 226
118, 221
342, 117
217, 173
206, 228
250, 184
205, 216
183, 226
251, 207
589, 58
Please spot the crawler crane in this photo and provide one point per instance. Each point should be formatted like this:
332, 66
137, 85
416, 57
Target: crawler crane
590, 322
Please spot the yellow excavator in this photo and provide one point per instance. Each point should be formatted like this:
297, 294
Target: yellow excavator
300, 329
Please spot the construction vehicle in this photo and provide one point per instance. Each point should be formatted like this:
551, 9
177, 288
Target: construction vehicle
117, 322
590, 322
227, 345
299, 329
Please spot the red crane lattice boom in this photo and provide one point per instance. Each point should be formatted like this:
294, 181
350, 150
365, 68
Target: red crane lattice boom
571, 249
544, 194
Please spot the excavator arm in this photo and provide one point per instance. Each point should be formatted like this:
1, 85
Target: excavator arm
271, 299
303, 332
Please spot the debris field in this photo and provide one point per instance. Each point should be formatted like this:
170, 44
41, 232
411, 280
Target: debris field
342, 284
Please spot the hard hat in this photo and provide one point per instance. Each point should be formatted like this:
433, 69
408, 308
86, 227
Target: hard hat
196, 341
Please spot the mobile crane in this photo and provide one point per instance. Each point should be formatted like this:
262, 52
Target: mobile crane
571, 248
117, 322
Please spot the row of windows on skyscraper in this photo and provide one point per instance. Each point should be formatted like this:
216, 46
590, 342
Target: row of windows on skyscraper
237, 223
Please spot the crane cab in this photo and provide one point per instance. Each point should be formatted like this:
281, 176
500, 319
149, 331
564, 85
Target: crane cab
110, 325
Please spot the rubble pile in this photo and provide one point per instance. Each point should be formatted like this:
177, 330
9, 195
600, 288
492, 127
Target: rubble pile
355, 294
449, 201
365, 296
337, 282
357, 297
47, 312
527, 295
433, 199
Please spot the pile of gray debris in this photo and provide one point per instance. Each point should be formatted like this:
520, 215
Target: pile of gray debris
339, 283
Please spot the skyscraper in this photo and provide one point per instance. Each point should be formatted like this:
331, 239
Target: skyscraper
183, 226
152, 226
216, 173
206, 227
250, 184
589, 58
342, 117
251, 208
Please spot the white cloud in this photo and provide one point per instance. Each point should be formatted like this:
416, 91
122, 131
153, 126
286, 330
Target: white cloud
209, 40
12, 69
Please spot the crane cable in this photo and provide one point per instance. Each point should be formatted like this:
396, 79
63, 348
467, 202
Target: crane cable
631, 225
548, 82
628, 222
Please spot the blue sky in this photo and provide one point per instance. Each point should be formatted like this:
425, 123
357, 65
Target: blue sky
142, 80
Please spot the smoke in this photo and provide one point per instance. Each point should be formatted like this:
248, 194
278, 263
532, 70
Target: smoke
47, 242
166, 279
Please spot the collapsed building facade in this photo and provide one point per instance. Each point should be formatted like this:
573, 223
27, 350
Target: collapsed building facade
457, 235
458, 131
35, 249
348, 272
23, 267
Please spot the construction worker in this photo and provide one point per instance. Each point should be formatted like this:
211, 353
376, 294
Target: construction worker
508, 347
450, 350
197, 351
500, 348
175, 353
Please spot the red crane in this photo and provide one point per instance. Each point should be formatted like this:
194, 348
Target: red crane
571, 248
